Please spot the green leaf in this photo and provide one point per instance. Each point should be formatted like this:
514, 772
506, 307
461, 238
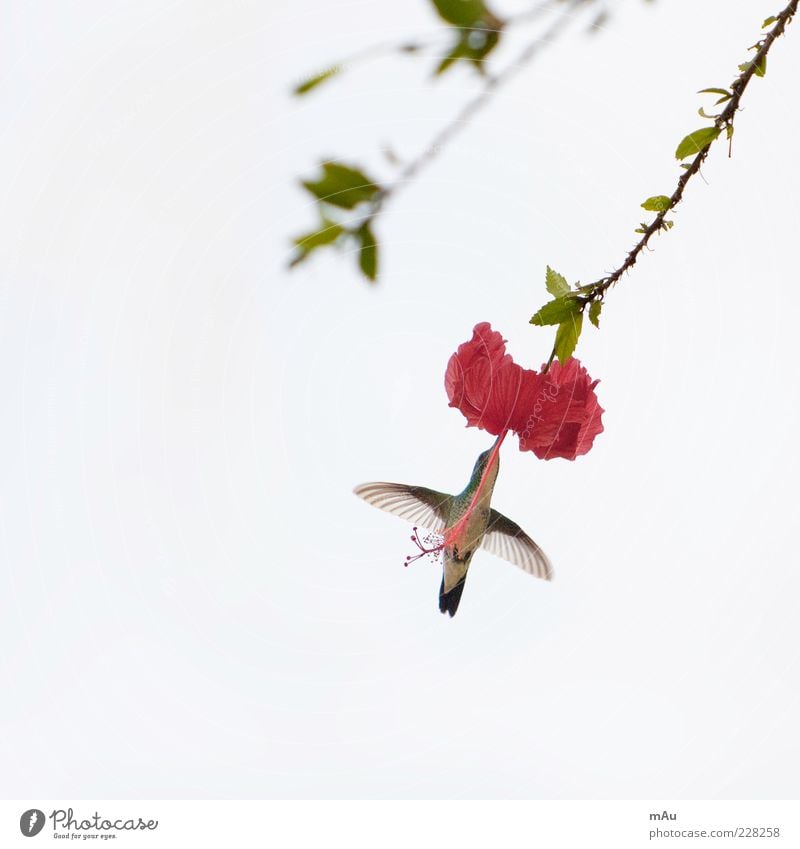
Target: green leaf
461, 13
329, 232
703, 114
473, 45
326, 235
556, 311
696, 141
567, 336
555, 283
759, 69
666, 224
767, 21
725, 94
312, 82
657, 203
342, 186
594, 312
368, 255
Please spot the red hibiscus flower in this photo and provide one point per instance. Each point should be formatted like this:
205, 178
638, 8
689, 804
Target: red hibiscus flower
554, 414
566, 415
483, 381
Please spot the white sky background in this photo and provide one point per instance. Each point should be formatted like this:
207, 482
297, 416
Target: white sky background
193, 604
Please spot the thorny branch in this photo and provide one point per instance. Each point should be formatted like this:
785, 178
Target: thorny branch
595, 292
725, 119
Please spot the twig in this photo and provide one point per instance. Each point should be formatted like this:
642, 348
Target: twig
424, 42
465, 115
724, 119
336, 231
596, 291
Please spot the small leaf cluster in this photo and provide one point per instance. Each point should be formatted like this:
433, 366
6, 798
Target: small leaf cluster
699, 140
565, 312
347, 203
346, 187
659, 204
477, 32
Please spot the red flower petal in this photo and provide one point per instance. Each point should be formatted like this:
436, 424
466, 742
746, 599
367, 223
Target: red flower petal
566, 416
482, 381
523, 415
554, 415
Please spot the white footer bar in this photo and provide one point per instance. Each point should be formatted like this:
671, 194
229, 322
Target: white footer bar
402, 824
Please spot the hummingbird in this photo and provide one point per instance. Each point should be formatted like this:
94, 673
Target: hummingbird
461, 524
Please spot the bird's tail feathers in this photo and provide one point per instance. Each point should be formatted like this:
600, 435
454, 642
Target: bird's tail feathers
448, 602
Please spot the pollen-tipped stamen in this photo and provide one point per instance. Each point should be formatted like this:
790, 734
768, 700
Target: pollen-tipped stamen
430, 544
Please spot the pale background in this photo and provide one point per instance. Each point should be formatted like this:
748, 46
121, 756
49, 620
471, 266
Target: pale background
192, 602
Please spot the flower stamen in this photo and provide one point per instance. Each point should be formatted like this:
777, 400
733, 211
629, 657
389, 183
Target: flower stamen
431, 544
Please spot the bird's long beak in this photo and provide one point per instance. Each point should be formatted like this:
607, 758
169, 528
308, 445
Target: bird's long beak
493, 458
496, 450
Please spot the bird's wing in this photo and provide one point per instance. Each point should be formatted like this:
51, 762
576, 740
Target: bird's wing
506, 539
425, 507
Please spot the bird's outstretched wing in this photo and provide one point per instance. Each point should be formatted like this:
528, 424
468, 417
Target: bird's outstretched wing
506, 539
417, 504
